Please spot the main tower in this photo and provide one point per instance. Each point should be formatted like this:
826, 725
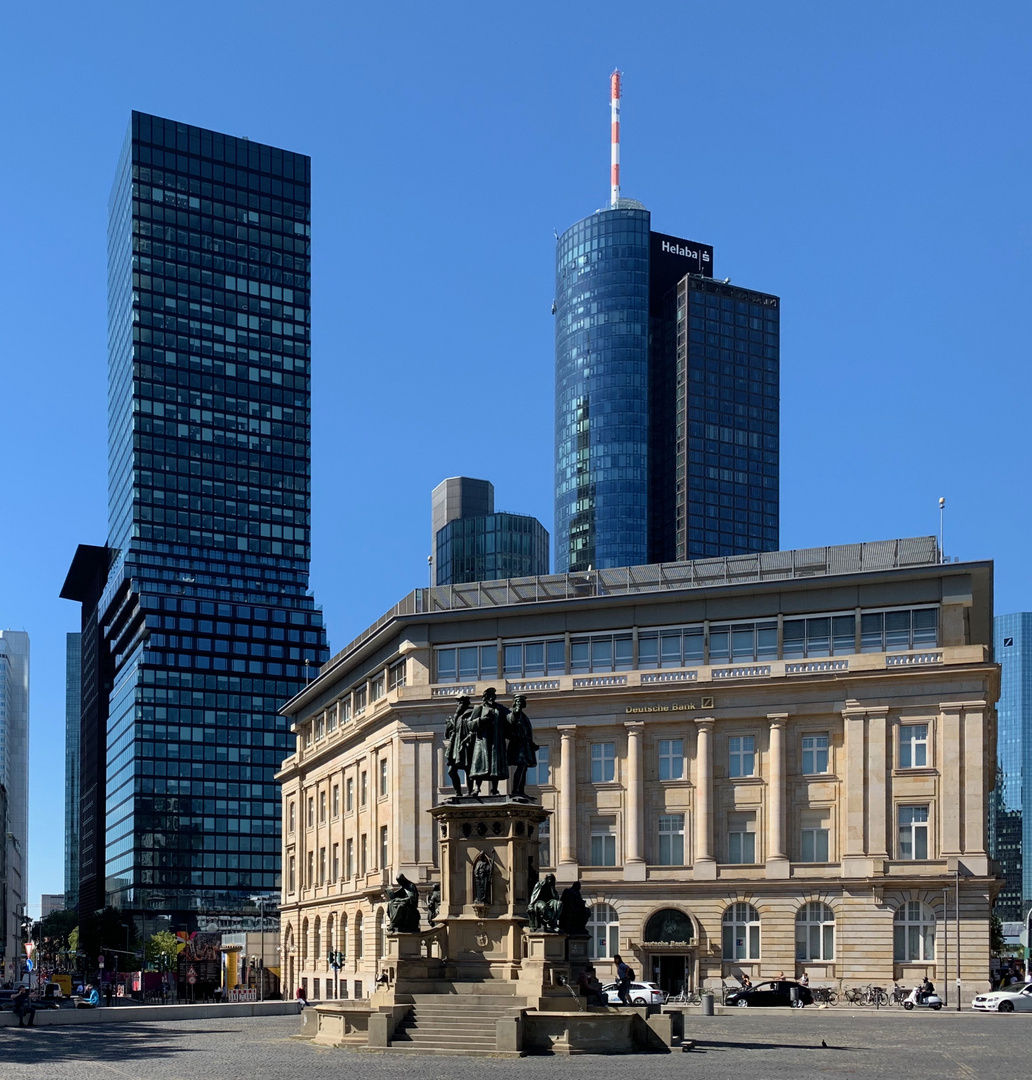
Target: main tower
666, 399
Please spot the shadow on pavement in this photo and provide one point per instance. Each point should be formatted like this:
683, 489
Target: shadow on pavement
713, 1044
101, 1042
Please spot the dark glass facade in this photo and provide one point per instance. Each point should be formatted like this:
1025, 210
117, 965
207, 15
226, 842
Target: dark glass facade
601, 391
1011, 822
73, 705
491, 547
667, 400
206, 612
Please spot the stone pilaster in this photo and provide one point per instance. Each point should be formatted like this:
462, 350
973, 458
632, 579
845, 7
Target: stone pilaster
634, 861
777, 859
705, 865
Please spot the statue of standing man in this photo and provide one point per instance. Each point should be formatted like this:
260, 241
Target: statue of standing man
458, 745
522, 749
488, 723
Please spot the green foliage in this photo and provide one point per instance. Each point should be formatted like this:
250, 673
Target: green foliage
162, 949
73, 939
996, 942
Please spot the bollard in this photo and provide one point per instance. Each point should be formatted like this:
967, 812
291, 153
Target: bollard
707, 1004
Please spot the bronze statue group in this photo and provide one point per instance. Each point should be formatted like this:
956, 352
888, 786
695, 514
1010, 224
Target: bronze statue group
487, 741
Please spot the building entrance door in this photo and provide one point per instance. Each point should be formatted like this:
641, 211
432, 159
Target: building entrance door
671, 973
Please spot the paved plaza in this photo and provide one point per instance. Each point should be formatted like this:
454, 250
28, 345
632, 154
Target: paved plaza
752, 1046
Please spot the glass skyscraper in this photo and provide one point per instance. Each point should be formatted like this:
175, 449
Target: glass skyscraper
1012, 807
73, 707
667, 400
205, 625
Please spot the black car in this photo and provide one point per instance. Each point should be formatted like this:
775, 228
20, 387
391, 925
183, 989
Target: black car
767, 994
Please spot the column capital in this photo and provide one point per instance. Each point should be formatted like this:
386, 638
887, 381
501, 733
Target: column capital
566, 729
705, 723
634, 727
778, 719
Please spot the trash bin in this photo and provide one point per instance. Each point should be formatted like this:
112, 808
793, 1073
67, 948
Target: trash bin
707, 1004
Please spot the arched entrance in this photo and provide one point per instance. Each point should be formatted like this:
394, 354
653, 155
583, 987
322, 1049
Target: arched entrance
669, 938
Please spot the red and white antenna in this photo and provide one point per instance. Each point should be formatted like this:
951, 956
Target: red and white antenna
614, 152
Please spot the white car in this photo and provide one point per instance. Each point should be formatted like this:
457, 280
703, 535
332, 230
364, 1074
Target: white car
642, 993
1016, 998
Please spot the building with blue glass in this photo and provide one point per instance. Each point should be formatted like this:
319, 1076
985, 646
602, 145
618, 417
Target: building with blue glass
666, 400
73, 707
1011, 818
473, 542
197, 619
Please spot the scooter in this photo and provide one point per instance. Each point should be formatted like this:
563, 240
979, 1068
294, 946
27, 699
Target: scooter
930, 1000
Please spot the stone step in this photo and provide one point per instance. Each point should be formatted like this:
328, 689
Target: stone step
422, 1030
486, 1010
464, 1051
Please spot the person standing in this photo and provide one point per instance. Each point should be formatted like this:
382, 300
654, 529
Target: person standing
23, 1006
624, 978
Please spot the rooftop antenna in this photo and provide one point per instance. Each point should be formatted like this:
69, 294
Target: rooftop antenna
942, 507
614, 150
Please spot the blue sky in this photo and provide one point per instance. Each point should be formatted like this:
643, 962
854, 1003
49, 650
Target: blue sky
869, 163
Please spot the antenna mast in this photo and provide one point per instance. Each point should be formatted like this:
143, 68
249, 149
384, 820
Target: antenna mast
614, 153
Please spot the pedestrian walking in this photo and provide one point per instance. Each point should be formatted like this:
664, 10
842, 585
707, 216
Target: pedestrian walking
624, 978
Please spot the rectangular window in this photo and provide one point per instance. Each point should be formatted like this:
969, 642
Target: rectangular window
545, 844
741, 838
311, 812
671, 759
814, 846
671, 839
335, 863
349, 858
311, 869
538, 774
292, 874
291, 816
815, 754
532, 659
331, 718
397, 675
360, 700
322, 866
913, 832
603, 766
320, 728
322, 806
741, 752
363, 856
376, 687
345, 710
601, 653
466, 663
603, 848
384, 859
913, 746
336, 800
349, 794
383, 777
363, 788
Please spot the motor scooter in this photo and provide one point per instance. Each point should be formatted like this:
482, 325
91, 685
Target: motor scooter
930, 1000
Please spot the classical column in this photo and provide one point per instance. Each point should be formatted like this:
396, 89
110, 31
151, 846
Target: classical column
777, 860
634, 861
567, 864
705, 865
854, 793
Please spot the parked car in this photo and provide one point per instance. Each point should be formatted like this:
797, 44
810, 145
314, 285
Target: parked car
767, 994
642, 993
1014, 998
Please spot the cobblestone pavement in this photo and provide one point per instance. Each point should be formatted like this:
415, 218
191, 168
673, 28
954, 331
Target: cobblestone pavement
756, 1045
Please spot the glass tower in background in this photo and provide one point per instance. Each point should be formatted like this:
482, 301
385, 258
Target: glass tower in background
73, 713
205, 622
1011, 824
14, 779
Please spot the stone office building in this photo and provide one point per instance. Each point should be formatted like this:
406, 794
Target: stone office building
764, 763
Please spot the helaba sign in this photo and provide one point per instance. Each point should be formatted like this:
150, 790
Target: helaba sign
672, 257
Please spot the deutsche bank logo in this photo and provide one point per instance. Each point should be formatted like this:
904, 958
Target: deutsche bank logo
687, 252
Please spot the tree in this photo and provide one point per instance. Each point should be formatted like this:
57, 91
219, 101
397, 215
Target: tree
162, 950
51, 935
996, 942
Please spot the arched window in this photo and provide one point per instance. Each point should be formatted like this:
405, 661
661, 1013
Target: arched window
381, 933
669, 927
815, 932
344, 935
304, 943
359, 943
317, 942
604, 929
741, 932
914, 932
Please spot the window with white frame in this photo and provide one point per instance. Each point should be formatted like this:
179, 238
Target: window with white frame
538, 774
359, 698
383, 777
671, 839
320, 727
603, 762
601, 653
466, 663
322, 865
311, 811
384, 851
814, 842
331, 718
815, 754
397, 675
292, 874
913, 832
545, 844
741, 932
533, 659
377, 687
669, 647
603, 844
336, 800
743, 642
741, 755
671, 759
741, 838
913, 746
914, 932
322, 806
349, 794
349, 858
603, 932
291, 816
345, 710
815, 932
335, 863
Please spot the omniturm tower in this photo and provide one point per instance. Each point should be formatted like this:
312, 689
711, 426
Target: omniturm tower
204, 625
666, 398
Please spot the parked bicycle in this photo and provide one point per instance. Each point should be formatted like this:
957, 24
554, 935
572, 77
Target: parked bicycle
685, 996
899, 994
824, 995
